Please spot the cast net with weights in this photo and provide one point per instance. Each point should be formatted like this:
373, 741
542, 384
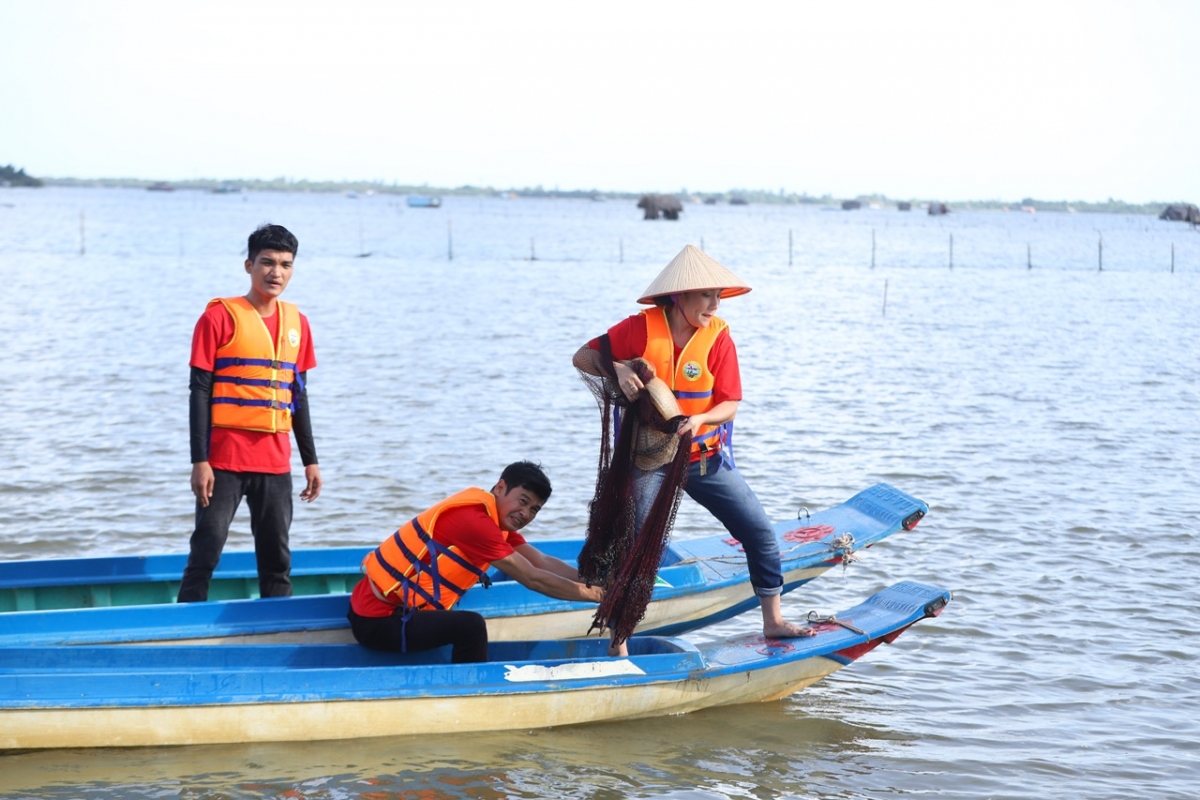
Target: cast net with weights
616, 554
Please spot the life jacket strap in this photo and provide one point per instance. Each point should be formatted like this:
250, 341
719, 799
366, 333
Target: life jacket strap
242, 401
253, 382
234, 361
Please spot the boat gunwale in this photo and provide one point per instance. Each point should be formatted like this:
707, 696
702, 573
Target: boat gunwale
879, 617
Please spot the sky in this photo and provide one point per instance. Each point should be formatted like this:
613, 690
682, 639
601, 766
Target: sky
926, 100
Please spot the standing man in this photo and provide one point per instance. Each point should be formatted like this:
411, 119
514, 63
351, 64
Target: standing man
250, 359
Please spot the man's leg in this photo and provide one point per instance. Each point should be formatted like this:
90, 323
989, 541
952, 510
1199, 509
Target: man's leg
208, 538
270, 500
466, 631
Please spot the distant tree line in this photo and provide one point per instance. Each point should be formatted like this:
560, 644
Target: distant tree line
732, 196
17, 177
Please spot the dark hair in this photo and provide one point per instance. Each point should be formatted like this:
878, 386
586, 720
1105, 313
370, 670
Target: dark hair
527, 475
271, 237
664, 300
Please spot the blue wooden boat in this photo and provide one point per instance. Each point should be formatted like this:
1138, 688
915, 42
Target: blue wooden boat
103, 696
424, 201
701, 581
41, 585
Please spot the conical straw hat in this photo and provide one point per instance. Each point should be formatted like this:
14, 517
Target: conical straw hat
693, 270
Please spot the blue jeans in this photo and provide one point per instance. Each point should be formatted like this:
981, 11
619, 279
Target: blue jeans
723, 491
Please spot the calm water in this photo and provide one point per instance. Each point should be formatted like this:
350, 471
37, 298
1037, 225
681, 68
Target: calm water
1048, 416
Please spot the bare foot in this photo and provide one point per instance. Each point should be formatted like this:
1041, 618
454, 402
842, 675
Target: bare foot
788, 630
775, 626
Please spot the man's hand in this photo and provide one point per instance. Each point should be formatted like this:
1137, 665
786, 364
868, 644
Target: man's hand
312, 483
202, 482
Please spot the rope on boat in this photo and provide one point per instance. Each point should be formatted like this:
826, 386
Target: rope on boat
844, 547
699, 559
815, 618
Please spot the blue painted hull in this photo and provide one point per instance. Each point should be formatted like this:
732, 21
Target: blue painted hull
154, 695
702, 581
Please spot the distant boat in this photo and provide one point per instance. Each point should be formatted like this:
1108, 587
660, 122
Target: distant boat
424, 201
226, 188
160, 186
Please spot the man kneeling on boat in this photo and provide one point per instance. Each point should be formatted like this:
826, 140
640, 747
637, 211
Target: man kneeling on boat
405, 602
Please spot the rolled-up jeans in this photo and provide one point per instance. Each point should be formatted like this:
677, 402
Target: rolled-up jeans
724, 492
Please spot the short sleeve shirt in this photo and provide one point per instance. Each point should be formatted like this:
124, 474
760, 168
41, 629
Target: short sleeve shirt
628, 340
233, 449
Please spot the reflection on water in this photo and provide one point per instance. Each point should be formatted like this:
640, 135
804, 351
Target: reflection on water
724, 752
1047, 416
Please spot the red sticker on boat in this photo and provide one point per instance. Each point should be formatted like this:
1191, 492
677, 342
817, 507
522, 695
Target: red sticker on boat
809, 534
770, 647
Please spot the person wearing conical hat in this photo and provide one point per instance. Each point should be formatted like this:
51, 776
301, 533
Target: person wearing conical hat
692, 351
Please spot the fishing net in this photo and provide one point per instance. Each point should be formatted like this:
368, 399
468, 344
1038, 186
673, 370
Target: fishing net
616, 554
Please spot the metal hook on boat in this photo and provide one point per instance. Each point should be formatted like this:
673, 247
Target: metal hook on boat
804, 510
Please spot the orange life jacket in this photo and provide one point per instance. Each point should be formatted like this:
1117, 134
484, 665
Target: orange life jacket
412, 570
253, 387
690, 378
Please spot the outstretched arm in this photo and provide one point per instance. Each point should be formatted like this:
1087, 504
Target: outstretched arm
518, 567
547, 562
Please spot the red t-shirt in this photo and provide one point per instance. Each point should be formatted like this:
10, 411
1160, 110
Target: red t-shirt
233, 449
467, 527
628, 340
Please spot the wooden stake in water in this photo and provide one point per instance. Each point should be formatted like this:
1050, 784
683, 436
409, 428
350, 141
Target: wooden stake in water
1028, 256
532, 255
83, 245
790, 247
885, 296
873, 251
952, 251
1172, 258
450, 240
621, 251
1100, 254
